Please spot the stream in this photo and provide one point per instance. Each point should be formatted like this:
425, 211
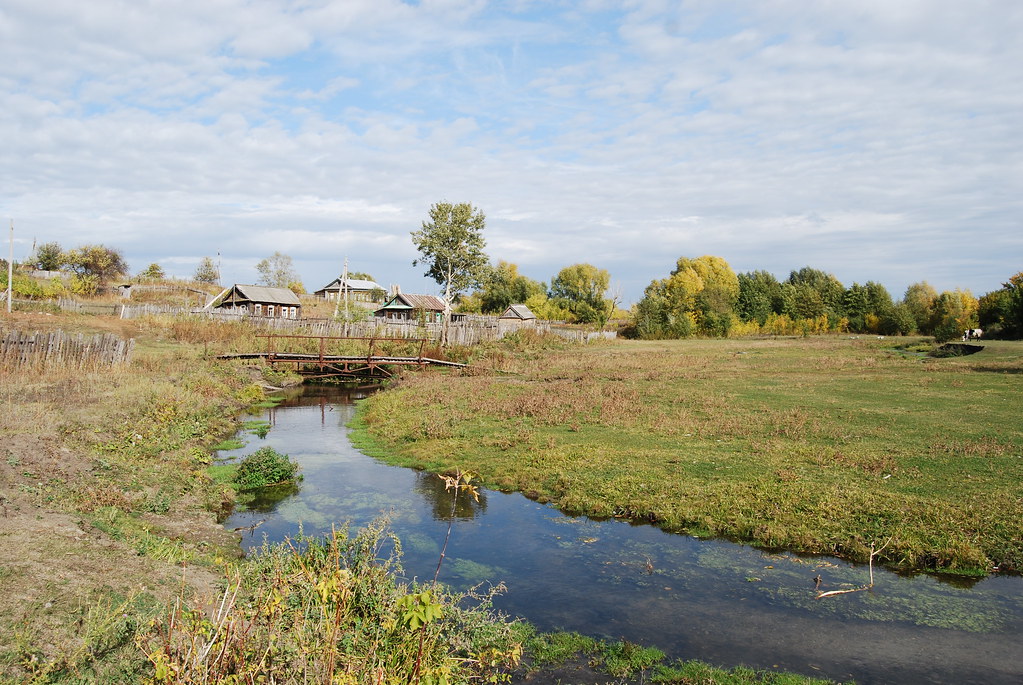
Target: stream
720, 602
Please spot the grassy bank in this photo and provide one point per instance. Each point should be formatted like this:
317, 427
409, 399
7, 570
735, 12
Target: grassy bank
116, 570
822, 445
105, 508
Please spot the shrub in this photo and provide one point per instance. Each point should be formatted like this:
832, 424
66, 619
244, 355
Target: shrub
265, 466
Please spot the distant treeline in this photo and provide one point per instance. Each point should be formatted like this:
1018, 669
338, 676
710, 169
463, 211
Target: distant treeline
703, 296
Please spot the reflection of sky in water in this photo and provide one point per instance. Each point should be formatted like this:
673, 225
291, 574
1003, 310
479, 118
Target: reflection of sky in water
712, 600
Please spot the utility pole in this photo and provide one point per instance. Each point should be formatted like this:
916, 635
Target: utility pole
10, 271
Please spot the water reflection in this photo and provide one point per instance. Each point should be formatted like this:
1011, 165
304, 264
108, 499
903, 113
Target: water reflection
444, 505
706, 599
265, 500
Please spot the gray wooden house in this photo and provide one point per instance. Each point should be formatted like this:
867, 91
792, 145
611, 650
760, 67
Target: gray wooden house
518, 313
406, 307
259, 300
357, 290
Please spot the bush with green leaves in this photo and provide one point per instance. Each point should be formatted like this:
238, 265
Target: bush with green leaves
265, 466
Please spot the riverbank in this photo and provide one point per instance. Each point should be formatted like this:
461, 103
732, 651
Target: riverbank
107, 508
823, 445
105, 511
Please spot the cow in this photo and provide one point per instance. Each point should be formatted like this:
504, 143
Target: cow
972, 334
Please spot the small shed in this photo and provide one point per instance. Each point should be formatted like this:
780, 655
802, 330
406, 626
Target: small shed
515, 317
406, 307
358, 290
260, 300
518, 312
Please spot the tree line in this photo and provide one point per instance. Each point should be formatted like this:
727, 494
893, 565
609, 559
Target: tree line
701, 296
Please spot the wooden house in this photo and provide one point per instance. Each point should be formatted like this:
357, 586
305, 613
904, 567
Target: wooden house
518, 313
259, 300
357, 289
405, 307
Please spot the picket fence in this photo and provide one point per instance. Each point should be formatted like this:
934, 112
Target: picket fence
75, 351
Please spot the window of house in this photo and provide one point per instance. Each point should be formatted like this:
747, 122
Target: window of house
257, 309
270, 310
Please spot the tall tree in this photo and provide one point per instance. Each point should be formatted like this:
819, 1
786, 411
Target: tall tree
278, 271
98, 261
829, 289
505, 287
153, 272
699, 296
759, 296
954, 312
49, 257
451, 246
919, 298
1001, 312
581, 289
206, 272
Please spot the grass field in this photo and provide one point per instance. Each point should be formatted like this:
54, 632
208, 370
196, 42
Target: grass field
826, 444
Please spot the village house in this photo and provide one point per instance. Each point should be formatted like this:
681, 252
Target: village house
259, 300
357, 290
518, 314
405, 307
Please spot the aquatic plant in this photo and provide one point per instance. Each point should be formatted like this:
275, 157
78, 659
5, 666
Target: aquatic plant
265, 466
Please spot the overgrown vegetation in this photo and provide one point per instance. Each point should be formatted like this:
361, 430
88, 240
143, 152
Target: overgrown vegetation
111, 543
266, 466
329, 610
818, 444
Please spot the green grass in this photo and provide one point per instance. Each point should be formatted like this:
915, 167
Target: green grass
816, 444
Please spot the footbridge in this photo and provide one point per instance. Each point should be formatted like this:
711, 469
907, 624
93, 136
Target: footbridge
321, 356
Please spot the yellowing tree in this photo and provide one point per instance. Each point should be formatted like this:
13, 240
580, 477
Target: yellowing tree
954, 312
698, 297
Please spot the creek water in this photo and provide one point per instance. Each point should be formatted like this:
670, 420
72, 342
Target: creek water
717, 601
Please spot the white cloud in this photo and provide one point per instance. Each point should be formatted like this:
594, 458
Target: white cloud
876, 140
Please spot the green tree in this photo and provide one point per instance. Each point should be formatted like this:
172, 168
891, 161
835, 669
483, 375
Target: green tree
760, 295
1000, 312
278, 271
954, 312
153, 272
98, 261
206, 272
505, 287
49, 257
699, 296
920, 298
582, 289
897, 320
829, 289
451, 246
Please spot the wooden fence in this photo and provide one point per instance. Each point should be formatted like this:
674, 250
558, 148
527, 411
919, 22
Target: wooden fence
40, 350
471, 330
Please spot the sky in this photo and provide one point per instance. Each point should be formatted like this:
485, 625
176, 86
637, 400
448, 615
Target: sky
877, 140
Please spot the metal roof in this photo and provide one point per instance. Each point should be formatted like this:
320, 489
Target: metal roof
430, 303
262, 293
518, 311
352, 284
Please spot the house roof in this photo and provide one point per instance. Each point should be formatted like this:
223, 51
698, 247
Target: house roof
352, 284
430, 303
518, 311
262, 293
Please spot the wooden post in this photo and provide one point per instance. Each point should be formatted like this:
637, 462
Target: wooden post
10, 272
